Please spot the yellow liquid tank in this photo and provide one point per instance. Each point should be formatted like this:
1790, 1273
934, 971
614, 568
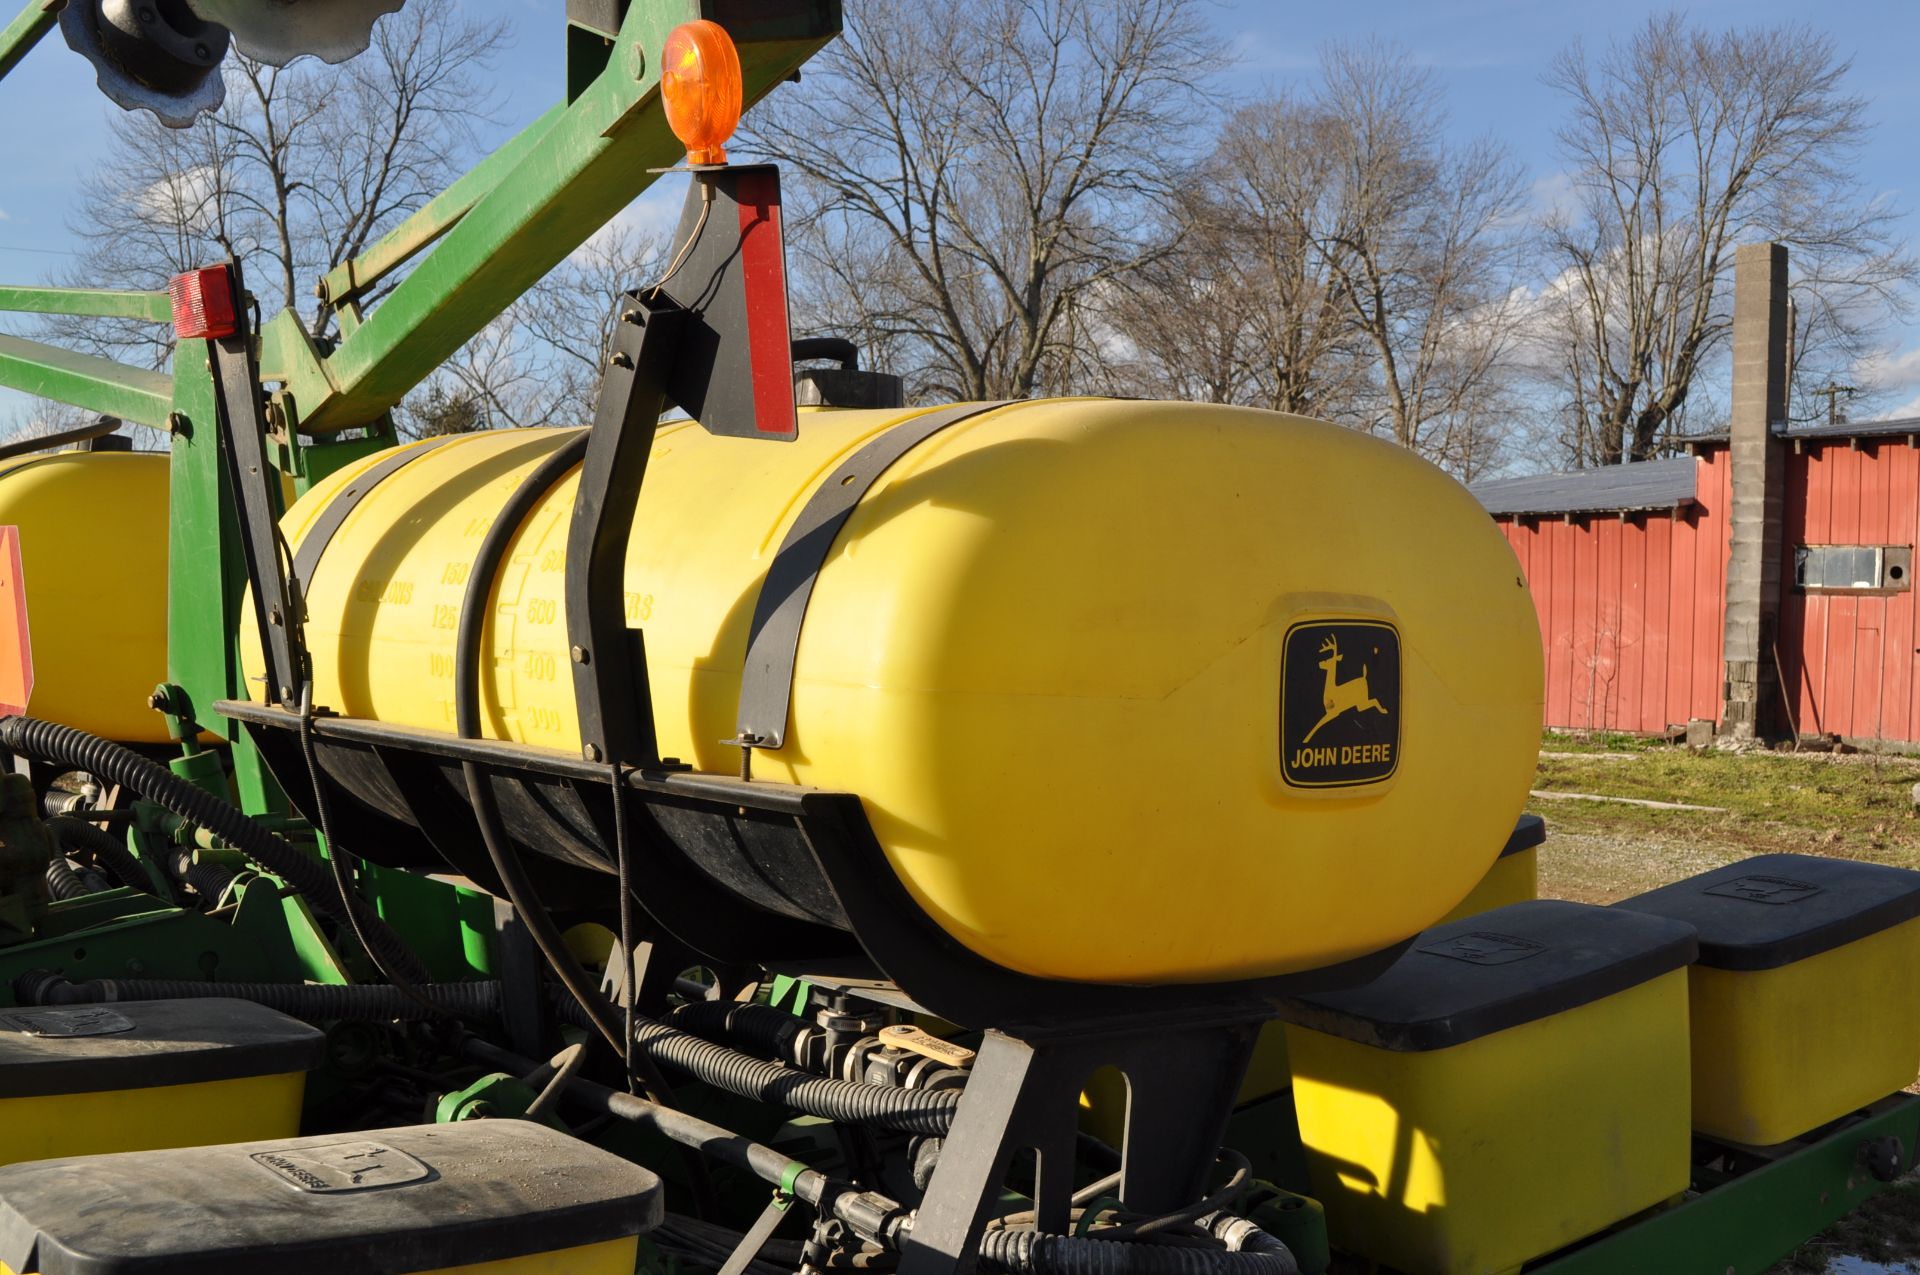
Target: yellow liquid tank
1046, 651
93, 555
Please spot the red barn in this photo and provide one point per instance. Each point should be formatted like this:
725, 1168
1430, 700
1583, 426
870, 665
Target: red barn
1628, 567
1762, 582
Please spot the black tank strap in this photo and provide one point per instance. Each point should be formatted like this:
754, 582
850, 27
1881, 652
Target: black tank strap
766, 681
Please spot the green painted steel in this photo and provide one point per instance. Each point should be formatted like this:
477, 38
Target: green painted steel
352, 279
21, 34
156, 307
592, 162
1744, 1224
124, 934
206, 577
99, 385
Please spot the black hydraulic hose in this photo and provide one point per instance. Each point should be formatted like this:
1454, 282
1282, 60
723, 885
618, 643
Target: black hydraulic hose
928, 1111
104, 759
774, 1167
84, 840
1249, 1251
750, 1026
317, 1002
210, 882
63, 883
466, 698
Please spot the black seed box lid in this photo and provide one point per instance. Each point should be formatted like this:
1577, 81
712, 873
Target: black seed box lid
140, 1044
1773, 910
381, 1202
1483, 974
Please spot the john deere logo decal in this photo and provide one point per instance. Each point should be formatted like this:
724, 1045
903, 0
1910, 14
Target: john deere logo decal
1340, 703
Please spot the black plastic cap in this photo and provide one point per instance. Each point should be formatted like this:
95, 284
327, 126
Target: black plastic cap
1500, 969
1773, 910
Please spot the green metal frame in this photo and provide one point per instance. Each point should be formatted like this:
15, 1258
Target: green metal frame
1742, 1225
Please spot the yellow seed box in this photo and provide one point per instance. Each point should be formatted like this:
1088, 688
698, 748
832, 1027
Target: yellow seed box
1516, 1082
1806, 998
141, 1075
1514, 876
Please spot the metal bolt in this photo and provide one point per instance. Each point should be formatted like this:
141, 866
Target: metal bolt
202, 52
630, 316
273, 615
157, 701
580, 655
320, 289
591, 752
621, 359
177, 423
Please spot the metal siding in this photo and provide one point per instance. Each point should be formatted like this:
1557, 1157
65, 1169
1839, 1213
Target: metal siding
1583, 629
1657, 543
1902, 463
1560, 599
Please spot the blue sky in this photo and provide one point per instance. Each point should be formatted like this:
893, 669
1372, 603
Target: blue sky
1489, 54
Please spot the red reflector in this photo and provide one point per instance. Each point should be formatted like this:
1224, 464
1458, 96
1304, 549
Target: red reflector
203, 304
16, 651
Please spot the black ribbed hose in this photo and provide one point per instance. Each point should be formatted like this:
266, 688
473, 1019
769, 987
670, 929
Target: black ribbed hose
85, 840
63, 883
210, 882
1249, 1251
316, 1002
928, 1111
749, 1026
106, 760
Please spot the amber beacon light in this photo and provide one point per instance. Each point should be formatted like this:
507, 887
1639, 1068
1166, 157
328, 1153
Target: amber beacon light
700, 87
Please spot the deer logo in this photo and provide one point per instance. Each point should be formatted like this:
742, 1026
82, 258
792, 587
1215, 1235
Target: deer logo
1350, 696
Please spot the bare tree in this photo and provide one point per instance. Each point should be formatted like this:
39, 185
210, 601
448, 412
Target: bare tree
539, 363
1423, 255
971, 177
1684, 143
299, 170
1240, 305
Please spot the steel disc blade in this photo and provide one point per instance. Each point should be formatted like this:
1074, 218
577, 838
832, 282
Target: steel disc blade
278, 31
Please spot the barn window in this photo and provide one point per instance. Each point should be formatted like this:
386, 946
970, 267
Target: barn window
1853, 568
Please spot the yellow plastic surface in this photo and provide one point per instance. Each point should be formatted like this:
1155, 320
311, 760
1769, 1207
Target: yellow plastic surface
1779, 1052
611, 1257
1513, 878
1474, 1159
1045, 651
245, 1109
93, 548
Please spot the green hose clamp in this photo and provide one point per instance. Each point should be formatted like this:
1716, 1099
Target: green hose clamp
783, 1194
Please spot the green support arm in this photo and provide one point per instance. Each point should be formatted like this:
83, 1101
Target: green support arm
155, 307
25, 31
99, 385
588, 164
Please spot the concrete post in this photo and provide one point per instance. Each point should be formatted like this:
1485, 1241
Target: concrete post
1759, 480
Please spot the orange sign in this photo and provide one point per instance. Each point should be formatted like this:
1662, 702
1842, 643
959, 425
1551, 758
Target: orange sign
16, 648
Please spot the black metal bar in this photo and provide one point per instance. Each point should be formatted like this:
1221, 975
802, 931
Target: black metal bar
610, 683
255, 487
67, 438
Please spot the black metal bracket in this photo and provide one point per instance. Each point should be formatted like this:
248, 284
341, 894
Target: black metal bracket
254, 484
610, 684
1024, 1094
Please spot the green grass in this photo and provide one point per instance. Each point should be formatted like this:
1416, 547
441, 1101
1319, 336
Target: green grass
1849, 806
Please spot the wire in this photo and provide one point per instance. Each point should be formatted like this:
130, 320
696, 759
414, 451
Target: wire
623, 874
686, 249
